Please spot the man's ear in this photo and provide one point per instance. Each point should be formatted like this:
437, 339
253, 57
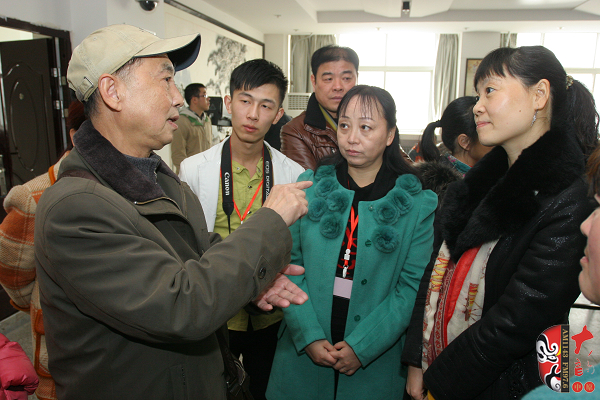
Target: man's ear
227, 101
541, 94
313, 81
110, 89
278, 116
464, 142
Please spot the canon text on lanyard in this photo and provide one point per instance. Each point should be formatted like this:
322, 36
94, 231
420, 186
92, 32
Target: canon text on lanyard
227, 182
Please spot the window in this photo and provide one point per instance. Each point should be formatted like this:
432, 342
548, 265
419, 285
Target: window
403, 64
579, 53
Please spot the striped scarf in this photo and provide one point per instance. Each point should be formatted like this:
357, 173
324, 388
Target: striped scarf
454, 298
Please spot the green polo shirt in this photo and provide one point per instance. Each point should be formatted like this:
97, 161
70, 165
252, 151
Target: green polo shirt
244, 188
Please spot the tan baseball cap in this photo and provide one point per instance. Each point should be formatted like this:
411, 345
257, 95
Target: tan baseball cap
108, 49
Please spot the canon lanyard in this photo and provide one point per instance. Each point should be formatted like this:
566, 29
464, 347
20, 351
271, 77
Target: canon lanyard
227, 181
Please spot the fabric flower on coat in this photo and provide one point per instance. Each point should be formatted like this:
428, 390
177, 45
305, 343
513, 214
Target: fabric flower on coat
386, 213
410, 183
326, 186
324, 171
402, 200
386, 239
331, 226
316, 209
337, 201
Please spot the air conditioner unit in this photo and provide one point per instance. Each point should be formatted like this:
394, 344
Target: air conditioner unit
295, 103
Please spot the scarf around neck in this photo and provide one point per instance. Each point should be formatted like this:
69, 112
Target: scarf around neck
383, 183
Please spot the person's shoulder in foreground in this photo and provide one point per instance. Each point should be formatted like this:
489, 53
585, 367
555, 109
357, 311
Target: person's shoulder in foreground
589, 283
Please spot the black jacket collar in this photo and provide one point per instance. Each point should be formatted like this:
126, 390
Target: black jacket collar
111, 166
494, 201
314, 117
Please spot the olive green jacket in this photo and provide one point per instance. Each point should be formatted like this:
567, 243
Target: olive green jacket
193, 136
130, 309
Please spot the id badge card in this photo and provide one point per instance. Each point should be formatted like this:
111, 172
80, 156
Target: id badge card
342, 287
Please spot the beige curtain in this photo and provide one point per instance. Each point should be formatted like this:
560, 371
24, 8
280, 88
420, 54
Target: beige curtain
508, 40
446, 69
303, 47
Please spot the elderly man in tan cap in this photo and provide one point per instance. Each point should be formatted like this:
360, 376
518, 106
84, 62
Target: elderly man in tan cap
132, 285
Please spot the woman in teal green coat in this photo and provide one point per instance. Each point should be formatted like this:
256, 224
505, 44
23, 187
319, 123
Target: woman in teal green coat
364, 245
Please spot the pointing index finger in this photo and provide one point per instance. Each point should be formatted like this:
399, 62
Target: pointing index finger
302, 185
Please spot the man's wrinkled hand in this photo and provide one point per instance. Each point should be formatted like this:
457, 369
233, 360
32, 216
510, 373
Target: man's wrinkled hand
289, 201
282, 292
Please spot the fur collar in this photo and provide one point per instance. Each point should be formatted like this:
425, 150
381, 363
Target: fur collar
494, 201
314, 117
437, 175
113, 168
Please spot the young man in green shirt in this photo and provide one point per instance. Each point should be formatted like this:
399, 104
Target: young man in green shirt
233, 179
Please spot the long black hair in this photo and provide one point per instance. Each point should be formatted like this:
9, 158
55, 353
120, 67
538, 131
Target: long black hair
572, 103
456, 119
374, 98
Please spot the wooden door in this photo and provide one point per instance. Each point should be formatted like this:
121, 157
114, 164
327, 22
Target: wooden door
27, 137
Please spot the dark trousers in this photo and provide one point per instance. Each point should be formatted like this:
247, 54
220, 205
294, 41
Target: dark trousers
258, 350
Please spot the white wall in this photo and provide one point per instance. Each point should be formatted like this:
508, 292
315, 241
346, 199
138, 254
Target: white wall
49, 13
80, 23
129, 12
223, 18
82, 17
475, 45
277, 50
9, 35
204, 70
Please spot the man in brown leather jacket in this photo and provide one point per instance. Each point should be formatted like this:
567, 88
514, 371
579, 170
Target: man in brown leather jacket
313, 134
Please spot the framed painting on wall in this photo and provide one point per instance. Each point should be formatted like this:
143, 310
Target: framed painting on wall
223, 48
472, 65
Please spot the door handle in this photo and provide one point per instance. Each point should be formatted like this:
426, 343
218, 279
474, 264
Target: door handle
3, 188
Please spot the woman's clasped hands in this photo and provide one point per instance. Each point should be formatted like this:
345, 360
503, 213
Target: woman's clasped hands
340, 356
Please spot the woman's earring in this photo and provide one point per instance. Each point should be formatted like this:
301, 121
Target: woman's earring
534, 117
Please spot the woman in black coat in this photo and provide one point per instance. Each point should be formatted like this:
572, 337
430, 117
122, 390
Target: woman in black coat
509, 240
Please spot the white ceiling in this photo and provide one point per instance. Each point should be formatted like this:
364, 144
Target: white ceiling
444, 16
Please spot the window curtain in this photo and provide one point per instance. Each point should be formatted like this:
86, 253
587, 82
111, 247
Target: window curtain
445, 72
303, 47
508, 40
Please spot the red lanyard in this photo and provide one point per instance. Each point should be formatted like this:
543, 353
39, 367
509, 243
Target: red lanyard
242, 218
227, 180
350, 235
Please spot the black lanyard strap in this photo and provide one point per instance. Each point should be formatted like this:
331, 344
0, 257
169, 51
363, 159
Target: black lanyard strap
227, 179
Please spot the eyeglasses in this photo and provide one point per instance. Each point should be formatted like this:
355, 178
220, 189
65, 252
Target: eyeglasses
202, 95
